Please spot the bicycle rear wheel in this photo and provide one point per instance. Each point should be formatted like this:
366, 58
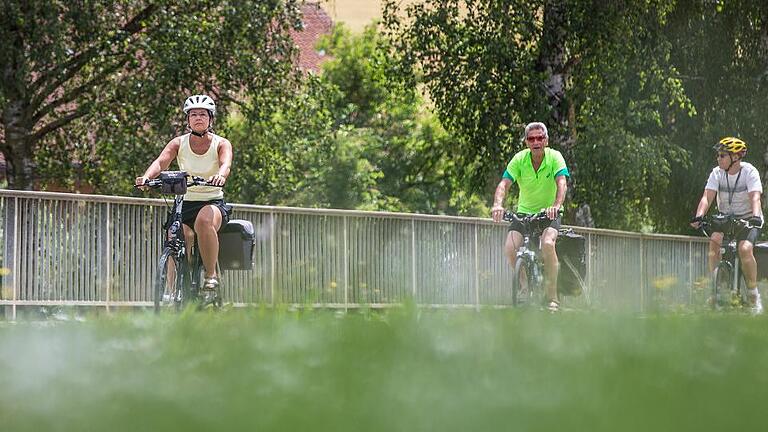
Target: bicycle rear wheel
171, 282
523, 286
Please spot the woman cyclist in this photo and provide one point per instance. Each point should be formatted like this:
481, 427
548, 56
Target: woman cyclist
205, 154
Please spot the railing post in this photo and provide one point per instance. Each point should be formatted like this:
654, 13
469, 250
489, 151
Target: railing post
590, 279
346, 264
108, 254
272, 258
477, 273
690, 273
642, 275
413, 259
14, 240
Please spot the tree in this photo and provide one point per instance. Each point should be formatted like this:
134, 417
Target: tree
597, 72
721, 52
350, 138
388, 133
117, 72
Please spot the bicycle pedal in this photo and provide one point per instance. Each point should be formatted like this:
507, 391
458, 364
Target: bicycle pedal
209, 298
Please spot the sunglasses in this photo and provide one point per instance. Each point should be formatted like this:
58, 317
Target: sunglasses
539, 138
722, 155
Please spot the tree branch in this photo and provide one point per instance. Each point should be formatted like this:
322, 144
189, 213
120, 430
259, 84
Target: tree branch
61, 121
56, 77
73, 94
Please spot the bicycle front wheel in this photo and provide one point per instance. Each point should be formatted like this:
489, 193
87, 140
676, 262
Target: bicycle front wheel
722, 286
170, 285
523, 286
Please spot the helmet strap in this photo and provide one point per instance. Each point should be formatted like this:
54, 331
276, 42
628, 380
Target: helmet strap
730, 156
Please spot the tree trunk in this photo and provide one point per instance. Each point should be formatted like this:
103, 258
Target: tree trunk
557, 69
19, 163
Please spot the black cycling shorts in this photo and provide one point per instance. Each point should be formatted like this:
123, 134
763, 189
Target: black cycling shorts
190, 209
516, 226
751, 234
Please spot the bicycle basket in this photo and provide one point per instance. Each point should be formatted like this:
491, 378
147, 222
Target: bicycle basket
572, 254
236, 241
174, 182
761, 256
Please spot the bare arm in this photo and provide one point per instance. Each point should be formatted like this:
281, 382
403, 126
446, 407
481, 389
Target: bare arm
225, 163
162, 162
562, 186
754, 199
498, 199
704, 203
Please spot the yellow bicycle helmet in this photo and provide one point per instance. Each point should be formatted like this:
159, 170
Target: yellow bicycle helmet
731, 145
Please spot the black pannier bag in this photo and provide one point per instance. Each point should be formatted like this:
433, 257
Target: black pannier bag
174, 182
236, 242
572, 254
761, 256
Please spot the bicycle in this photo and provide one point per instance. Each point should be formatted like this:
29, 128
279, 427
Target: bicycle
528, 274
727, 284
179, 275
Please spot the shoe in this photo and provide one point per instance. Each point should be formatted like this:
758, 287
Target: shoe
553, 306
211, 283
757, 308
210, 292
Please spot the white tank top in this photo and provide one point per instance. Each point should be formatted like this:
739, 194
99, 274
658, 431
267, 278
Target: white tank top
205, 166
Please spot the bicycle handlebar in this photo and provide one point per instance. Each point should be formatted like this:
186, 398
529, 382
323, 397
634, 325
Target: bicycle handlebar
722, 223
513, 217
191, 181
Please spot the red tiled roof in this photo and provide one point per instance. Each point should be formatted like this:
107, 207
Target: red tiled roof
316, 23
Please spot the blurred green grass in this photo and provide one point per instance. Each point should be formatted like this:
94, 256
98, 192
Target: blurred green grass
397, 370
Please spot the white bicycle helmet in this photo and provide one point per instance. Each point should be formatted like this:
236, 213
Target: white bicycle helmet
200, 101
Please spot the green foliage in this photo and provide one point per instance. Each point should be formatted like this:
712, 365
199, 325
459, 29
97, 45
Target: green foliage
349, 138
721, 53
620, 93
648, 86
115, 75
397, 150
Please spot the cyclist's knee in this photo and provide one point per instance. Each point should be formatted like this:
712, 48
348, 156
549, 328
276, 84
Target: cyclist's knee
208, 217
745, 250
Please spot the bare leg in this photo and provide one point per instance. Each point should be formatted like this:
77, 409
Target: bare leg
189, 240
748, 263
207, 226
551, 263
715, 240
513, 242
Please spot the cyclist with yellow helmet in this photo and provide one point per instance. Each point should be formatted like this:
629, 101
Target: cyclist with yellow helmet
737, 186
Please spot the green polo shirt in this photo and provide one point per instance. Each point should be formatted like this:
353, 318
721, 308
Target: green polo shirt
537, 188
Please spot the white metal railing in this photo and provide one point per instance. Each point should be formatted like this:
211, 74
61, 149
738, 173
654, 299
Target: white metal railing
91, 250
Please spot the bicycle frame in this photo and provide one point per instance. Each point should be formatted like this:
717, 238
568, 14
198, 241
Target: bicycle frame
175, 240
729, 259
527, 259
187, 266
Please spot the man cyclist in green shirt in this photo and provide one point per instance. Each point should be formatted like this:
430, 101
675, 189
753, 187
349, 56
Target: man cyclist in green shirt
540, 173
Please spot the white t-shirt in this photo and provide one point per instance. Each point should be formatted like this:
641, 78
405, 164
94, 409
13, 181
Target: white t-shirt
733, 190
